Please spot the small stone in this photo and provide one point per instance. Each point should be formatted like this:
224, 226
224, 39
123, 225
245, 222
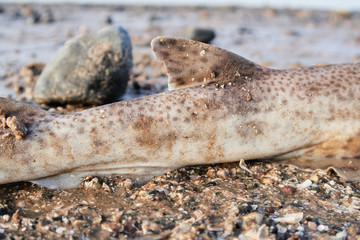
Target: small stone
92, 70
105, 187
46, 194
332, 183
211, 172
322, 228
268, 181
312, 225
307, 183
128, 183
202, 35
93, 184
21, 204
6, 217
149, 227
341, 235
291, 218
270, 209
60, 230
287, 190
223, 173
251, 220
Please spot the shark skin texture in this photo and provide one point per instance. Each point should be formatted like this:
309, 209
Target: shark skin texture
220, 108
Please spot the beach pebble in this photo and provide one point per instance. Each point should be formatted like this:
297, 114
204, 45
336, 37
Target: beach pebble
250, 220
223, 173
92, 184
312, 226
202, 34
341, 235
291, 218
287, 190
307, 183
92, 70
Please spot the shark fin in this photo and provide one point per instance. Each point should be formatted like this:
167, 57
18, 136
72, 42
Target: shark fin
191, 63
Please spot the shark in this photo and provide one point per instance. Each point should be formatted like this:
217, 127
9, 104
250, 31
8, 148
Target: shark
220, 108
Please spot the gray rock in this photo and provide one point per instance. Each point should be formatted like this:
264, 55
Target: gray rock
90, 70
202, 35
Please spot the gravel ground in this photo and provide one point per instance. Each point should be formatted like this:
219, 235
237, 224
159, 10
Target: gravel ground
201, 202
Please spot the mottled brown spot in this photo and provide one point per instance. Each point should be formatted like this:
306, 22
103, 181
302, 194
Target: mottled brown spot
93, 130
80, 130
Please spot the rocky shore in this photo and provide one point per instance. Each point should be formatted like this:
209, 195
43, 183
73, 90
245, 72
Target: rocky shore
200, 202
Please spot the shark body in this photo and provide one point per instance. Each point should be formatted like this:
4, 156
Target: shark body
221, 108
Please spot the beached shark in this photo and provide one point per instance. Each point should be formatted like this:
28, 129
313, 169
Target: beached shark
220, 108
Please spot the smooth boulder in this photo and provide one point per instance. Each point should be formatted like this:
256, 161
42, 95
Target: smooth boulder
91, 70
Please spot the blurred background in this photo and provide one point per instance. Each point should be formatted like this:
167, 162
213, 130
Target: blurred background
309, 4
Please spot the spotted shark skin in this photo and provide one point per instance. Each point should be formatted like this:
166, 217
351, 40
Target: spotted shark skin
220, 108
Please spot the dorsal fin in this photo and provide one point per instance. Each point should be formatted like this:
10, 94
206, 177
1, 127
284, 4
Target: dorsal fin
191, 63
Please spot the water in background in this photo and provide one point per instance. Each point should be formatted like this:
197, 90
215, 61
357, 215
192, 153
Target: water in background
339, 5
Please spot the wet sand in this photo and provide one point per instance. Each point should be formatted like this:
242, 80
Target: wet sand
202, 202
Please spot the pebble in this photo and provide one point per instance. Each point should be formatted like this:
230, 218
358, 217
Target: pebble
312, 225
128, 183
291, 218
60, 230
250, 220
287, 190
202, 35
307, 183
92, 70
268, 181
322, 228
223, 173
20, 204
341, 235
314, 178
93, 184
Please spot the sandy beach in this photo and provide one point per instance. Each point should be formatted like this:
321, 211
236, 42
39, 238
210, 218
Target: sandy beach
201, 202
